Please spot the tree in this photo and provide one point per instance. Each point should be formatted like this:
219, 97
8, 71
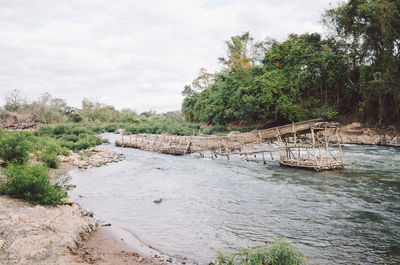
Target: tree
14, 100
243, 52
371, 31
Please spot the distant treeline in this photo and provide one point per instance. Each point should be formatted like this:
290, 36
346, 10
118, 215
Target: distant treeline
355, 71
101, 117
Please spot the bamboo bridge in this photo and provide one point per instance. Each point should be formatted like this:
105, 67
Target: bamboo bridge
303, 144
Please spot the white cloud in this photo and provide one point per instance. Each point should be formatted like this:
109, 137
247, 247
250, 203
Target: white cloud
136, 54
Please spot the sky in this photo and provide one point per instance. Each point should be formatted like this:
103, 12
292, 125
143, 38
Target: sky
128, 53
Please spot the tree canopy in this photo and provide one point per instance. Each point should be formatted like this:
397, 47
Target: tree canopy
355, 70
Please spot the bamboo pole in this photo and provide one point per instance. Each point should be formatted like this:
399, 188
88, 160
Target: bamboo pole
226, 148
313, 146
245, 151
262, 153
270, 153
339, 145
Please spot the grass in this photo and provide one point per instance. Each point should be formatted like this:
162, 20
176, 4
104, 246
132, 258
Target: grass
278, 253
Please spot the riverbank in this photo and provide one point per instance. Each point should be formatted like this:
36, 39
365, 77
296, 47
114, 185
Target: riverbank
66, 234
40, 235
356, 133
61, 235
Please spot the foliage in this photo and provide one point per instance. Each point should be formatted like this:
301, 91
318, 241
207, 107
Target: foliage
32, 183
75, 117
217, 129
357, 70
48, 152
15, 147
278, 253
170, 123
72, 136
293, 73
370, 31
111, 127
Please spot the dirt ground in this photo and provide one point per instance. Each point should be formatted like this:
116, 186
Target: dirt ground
103, 249
63, 235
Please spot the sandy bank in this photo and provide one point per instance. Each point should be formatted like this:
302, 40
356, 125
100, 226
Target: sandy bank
62, 235
355, 133
40, 235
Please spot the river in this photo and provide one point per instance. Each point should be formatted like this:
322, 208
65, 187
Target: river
349, 216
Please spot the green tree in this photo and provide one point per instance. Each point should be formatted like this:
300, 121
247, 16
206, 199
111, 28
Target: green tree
371, 31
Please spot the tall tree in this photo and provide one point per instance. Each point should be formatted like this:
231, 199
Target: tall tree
371, 30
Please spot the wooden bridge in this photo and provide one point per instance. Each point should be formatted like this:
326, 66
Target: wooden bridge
303, 144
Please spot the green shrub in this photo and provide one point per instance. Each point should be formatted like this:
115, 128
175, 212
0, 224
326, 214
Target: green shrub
75, 117
15, 147
64, 151
96, 129
111, 128
32, 183
50, 159
217, 129
49, 155
69, 137
278, 253
79, 130
131, 130
60, 129
325, 112
47, 150
44, 131
87, 141
243, 130
66, 144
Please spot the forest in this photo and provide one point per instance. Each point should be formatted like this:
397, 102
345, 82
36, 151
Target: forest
352, 73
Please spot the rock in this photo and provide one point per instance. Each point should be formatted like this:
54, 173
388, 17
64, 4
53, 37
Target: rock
96, 158
158, 201
36, 234
69, 202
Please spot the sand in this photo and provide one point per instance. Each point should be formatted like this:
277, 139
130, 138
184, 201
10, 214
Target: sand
64, 235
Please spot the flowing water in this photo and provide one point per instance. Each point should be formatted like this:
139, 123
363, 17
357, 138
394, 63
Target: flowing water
349, 216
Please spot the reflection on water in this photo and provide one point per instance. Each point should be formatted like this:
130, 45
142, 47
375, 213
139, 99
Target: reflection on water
350, 216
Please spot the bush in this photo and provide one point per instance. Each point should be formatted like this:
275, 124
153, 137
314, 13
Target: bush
217, 129
131, 130
278, 253
111, 128
49, 155
47, 150
32, 183
44, 131
50, 159
61, 129
243, 130
69, 138
67, 144
64, 151
79, 130
75, 117
15, 147
96, 129
87, 141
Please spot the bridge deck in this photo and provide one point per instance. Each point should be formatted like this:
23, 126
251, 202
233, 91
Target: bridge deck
304, 144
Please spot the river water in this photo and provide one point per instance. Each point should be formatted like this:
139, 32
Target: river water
349, 216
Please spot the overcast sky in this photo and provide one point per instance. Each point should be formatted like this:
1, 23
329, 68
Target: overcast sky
128, 53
